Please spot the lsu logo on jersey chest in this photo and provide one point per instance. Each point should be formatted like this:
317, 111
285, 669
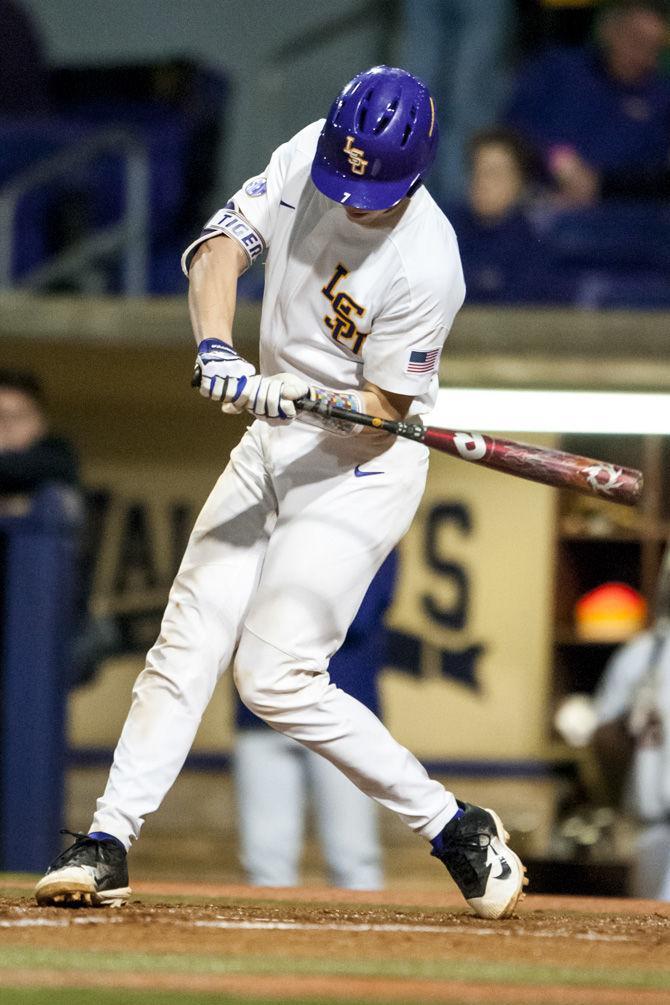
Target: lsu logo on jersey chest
346, 313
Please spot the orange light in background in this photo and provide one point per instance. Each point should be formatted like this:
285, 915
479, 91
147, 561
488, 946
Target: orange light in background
612, 612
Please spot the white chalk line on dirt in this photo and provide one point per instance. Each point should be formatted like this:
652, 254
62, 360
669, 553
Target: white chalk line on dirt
304, 926
300, 926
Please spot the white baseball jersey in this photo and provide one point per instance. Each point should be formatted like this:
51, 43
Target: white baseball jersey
346, 303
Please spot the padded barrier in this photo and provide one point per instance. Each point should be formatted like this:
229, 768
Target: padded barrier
39, 568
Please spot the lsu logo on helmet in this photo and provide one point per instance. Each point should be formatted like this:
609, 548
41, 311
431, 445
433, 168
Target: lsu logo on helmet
356, 156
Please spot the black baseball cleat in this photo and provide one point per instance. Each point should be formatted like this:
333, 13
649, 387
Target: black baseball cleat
488, 873
92, 872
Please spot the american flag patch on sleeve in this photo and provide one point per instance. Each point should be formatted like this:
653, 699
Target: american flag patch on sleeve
423, 362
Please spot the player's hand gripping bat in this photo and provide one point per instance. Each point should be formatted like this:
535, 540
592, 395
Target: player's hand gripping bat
537, 464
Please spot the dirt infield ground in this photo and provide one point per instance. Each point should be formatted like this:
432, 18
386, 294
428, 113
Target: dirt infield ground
194, 943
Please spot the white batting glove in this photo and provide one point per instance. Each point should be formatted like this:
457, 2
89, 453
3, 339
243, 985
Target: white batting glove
272, 397
223, 372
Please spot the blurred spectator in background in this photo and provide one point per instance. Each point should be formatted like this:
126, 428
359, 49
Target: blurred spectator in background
503, 257
599, 115
632, 742
23, 67
277, 779
461, 48
31, 456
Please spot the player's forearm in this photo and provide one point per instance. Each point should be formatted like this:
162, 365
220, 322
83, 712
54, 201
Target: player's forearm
212, 291
385, 404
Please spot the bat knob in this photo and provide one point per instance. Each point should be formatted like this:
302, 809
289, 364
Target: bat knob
197, 377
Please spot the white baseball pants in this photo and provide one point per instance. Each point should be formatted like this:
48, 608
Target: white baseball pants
277, 565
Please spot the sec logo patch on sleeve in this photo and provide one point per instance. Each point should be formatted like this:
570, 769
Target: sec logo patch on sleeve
256, 187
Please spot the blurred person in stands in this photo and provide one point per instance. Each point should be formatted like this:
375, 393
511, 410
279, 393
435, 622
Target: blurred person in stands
462, 49
599, 115
502, 254
277, 779
23, 66
31, 455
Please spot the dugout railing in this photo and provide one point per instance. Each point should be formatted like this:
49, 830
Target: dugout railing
125, 240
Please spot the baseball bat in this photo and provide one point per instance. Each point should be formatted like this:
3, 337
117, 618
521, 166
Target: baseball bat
522, 460
536, 464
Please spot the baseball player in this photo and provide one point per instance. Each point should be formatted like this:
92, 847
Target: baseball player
632, 707
362, 283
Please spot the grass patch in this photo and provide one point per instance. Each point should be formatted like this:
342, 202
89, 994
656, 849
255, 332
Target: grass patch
428, 970
98, 996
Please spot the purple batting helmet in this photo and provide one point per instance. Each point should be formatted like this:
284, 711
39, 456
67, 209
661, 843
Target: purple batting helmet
378, 141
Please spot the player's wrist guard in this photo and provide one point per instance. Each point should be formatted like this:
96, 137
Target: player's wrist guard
350, 400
